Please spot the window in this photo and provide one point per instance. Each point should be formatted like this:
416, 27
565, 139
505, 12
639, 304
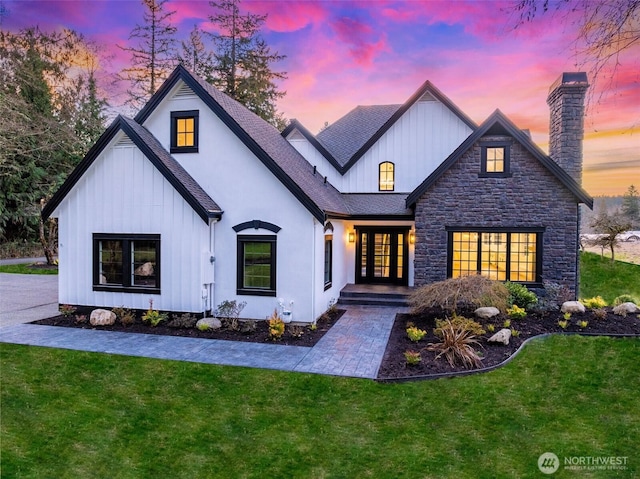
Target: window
498, 255
495, 159
328, 261
256, 265
126, 263
386, 177
184, 131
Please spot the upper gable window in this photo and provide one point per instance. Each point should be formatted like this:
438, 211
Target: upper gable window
495, 160
184, 131
386, 177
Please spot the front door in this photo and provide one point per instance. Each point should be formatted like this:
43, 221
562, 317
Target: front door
382, 255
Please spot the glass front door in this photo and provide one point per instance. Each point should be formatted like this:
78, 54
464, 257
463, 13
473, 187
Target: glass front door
382, 255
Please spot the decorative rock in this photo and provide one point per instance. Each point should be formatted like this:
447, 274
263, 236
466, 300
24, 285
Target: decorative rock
208, 323
102, 317
501, 336
572, 307
625, 308
487, 312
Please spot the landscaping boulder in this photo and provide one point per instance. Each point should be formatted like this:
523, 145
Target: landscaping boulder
208, 323
625, 308
572, 307
487, 312
102, 317
501, 337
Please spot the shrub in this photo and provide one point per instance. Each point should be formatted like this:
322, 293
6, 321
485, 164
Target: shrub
583, 324
516, 312
415, 334
276, 326
600, 313
412, 357
459, 322
457, 346
491, 328
507, 323
296, 330
466, 292
594, 303
183, 321
563, 323
229, 311
81, 318
624, 298
203, 327
515, 333
555, 295
520, 296
126, 316
154, 317
67, 310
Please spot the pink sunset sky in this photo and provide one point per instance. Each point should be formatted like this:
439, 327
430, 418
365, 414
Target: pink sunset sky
340, 54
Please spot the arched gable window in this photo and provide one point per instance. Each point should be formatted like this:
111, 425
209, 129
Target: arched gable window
386, 176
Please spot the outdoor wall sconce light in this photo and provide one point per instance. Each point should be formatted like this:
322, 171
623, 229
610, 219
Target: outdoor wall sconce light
412, 237
352, 237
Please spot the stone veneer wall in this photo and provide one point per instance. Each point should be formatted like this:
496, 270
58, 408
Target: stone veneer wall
531, 197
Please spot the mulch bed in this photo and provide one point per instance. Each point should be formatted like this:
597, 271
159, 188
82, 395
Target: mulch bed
308, 337
394, 364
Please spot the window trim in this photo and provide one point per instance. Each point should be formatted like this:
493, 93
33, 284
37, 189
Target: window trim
240, 288
328, 240
393, 179
507, 159
126, 239
175, 115
509, 231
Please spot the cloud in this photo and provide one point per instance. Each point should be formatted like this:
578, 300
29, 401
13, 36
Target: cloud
364, 44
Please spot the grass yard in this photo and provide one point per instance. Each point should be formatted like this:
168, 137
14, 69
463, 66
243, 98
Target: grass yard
26, 268
600, 276
70, 414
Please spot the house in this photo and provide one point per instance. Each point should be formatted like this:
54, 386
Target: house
197, 200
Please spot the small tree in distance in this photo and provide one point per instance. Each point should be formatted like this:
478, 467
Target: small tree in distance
609, 226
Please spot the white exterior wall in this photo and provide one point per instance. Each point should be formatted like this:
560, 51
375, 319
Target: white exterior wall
246, 190
417, 143
123, 192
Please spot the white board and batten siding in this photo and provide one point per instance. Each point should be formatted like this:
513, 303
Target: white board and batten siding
246, 190
123, 192
416, 143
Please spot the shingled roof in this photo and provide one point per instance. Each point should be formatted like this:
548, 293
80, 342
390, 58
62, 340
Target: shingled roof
349, 138
264, 140
184, 183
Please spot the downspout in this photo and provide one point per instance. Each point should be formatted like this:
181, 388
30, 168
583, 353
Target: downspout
313, 272
213, 264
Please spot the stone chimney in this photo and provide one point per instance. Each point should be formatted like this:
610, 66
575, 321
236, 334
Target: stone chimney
566, 126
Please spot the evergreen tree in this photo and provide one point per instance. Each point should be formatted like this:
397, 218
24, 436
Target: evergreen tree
243, 61
631, 206
41, 90
152, 58
196, 57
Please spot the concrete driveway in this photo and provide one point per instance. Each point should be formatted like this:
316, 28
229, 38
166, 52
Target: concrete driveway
27, 297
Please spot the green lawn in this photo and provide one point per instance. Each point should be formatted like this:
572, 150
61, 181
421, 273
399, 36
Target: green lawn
70, 414
25, 268
601, 277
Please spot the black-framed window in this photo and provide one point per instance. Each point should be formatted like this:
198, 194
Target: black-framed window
496, 254
184, 131
386, 176
495, 159
126, 262
328, 261
256, 270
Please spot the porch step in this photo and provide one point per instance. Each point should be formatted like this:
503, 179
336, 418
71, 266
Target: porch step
375, 295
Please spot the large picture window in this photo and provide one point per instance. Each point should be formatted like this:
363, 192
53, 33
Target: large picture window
126, 263
498, 255
184, 131
256, 265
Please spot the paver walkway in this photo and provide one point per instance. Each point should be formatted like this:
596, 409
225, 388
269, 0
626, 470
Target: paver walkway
353, 347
